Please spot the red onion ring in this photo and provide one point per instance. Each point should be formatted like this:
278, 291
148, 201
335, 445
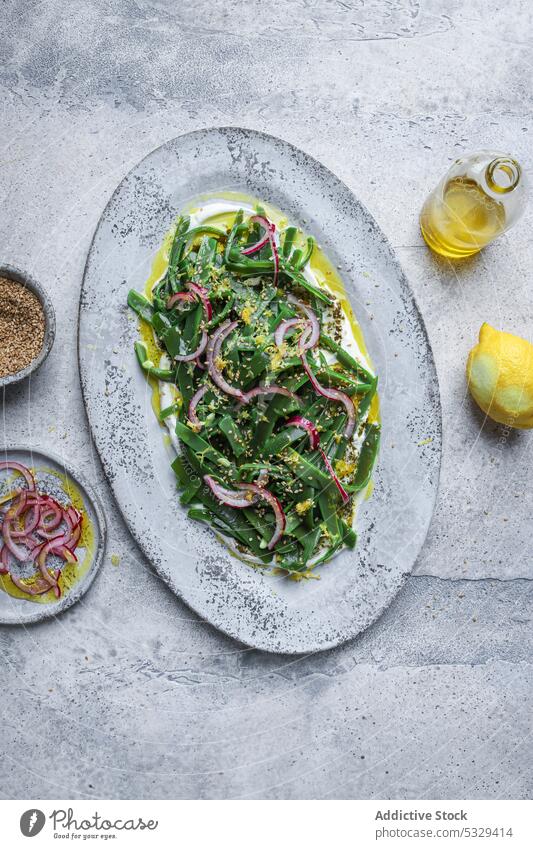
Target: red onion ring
213, 351
232, 499
314, 441
283, 329
193, 403
7, 531
268, 390
50, 508
344, 495
18, 467
46, 535
307, 343
332, 395
39, 586
202, 293
25, 505
309, 426
4, 560
74, 515
195, 291
186, 358
266, 225
73, 521
274, 502
74, 541
179, 296
270, 229
275, 256
227, 496
54, 546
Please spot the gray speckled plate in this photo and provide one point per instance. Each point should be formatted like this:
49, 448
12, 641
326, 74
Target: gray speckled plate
46, 467
270, 613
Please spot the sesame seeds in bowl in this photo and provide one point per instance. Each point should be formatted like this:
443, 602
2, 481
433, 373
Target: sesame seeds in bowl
27, 325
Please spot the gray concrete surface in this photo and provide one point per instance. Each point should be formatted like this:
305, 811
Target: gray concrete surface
130, 694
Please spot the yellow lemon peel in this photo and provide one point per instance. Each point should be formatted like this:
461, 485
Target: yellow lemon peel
247, 313
344, 468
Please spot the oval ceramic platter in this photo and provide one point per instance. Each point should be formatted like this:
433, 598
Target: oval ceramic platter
53, 477
263, 611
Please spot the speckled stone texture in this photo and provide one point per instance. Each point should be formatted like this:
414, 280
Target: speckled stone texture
435, 699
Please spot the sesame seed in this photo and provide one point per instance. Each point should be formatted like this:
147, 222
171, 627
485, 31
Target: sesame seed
22, 326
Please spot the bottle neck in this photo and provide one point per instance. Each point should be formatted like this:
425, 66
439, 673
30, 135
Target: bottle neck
503, 175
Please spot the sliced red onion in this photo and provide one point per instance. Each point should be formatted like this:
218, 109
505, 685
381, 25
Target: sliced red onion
70, 536
31, 522
18, 467
46, 535
73, 521
49, 530
270, 229
41, 516
309, 340
266, 225
194, 291
269, 390
32, 543
21, 554
76, 534
53, 509
344, 495
275, 256
202, 293
24, 498
38, 587
227, 496
50, 546
57, 588
283, 329
195, 400
186, 297
54, 546
233, 499
314, 441
309, 426
213, 351
274, 502
186, 358
74, 515
332, 395
28, 509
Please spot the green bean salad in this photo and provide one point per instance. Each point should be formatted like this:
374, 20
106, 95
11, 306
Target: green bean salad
274, 419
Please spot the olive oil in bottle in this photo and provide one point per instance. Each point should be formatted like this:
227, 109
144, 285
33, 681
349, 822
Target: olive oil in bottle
480, 197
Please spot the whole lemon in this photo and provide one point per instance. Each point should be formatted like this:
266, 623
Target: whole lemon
500, 377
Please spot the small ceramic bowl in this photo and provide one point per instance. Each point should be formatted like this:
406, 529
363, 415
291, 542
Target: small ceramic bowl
19, 276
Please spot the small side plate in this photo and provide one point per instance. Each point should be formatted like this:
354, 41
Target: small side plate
47, 467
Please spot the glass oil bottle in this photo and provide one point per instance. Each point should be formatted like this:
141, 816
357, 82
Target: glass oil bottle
478, 199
